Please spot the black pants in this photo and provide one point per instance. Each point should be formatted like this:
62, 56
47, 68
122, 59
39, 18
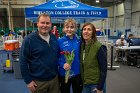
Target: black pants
75, 81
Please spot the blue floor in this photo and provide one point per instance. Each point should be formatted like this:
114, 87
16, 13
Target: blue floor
8, 83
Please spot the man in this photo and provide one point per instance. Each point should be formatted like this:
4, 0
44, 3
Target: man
129, 39
38, 58
121, 42
55, 31
11, 33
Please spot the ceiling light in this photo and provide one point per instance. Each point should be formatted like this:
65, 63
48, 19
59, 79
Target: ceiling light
97, 1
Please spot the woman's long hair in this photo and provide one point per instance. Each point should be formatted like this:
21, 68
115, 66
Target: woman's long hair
94, 38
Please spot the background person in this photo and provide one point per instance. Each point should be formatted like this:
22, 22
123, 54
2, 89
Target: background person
121, 42
11, 33
93, 60
129, 41
55, 31
39, 57
70, 41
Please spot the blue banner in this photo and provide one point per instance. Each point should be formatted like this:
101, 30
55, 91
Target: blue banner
66, 8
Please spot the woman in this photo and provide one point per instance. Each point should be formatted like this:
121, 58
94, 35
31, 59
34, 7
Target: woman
93, 60
70, 42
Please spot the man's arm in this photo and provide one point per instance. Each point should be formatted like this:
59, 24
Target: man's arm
24, 60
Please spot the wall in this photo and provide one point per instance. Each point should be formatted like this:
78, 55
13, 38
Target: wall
120, 21
116, 19
136, 17
135, 5
120, 16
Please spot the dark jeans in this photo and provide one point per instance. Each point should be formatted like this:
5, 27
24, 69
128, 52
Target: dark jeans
75, 81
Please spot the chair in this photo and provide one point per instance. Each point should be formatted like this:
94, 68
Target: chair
135, 54
132, 58
121, 55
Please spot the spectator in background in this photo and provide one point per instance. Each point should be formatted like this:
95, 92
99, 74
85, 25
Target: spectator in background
11, 33
55, 31
129, 39
23, 34
121, 41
